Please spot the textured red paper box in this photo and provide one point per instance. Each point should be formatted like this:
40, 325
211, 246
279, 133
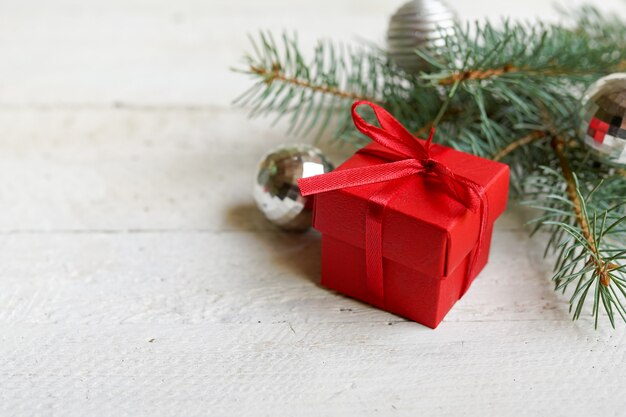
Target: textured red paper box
428, 237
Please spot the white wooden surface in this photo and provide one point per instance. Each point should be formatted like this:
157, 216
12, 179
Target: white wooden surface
138, 278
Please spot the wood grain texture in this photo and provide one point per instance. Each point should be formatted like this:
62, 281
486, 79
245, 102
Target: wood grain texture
139, 279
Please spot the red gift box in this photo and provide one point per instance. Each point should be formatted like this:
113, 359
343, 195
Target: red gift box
426, 244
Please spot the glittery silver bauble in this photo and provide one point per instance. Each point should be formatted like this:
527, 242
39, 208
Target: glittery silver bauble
419, 24
603, 115
276, 187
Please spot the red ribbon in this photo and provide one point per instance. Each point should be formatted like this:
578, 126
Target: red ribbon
407, 157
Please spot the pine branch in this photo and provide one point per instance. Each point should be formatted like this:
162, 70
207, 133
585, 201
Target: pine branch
277, 75
312, 93
587, 240
510, 92
558, 144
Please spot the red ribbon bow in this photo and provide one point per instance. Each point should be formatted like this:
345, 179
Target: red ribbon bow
407, 157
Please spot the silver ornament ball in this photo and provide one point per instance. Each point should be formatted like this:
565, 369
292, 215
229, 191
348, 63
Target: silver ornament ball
276, 185
418, 24
603, 114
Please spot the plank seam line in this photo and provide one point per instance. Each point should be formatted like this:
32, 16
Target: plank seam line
116, 106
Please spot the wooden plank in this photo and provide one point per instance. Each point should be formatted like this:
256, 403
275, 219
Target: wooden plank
160, 52
235, 323
139, 279
514, 368
135, 169
125, 169
229, 277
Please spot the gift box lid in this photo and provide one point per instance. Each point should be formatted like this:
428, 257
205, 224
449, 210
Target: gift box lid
423, 227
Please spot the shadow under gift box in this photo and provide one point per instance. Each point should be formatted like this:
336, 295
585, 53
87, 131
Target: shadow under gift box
428, 237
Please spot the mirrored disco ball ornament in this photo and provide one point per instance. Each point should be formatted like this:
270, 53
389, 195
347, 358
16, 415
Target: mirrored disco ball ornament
603, 115
419, 24
276, 187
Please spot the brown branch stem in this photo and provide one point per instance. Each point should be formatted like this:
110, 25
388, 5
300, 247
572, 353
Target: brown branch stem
423, 130
275, 74
558, 144
477, 74
483, 74
525, 140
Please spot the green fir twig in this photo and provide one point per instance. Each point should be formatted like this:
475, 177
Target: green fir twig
510, 92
